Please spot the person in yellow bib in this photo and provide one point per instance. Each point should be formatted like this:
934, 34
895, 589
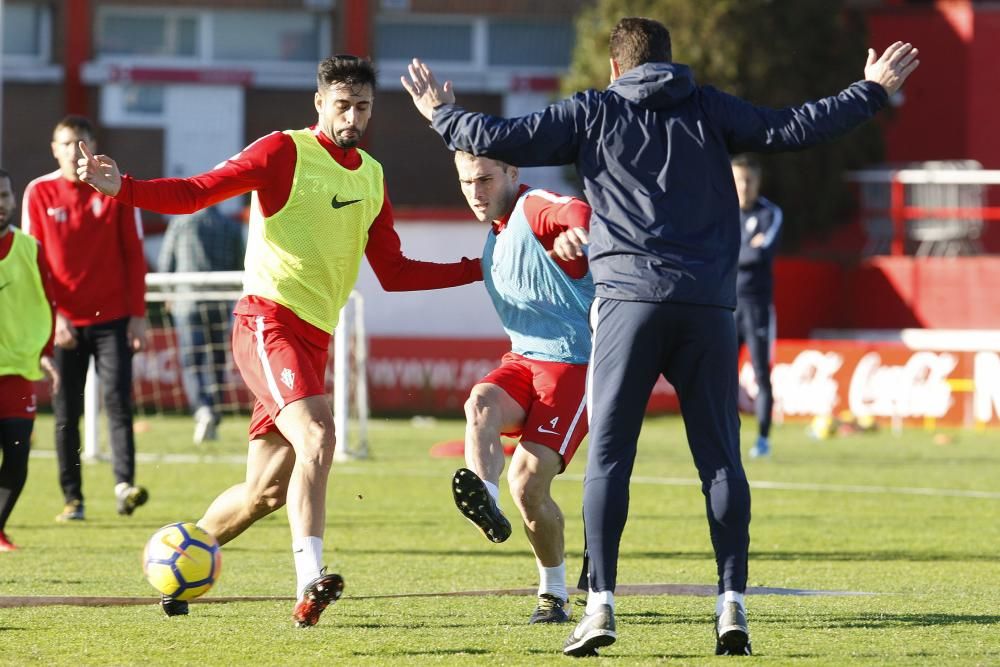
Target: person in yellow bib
25, 350
318, 204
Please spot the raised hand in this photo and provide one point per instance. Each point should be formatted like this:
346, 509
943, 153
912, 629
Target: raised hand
891, 70
99, 172
426, 92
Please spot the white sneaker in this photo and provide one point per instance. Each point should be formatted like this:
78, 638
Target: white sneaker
760, 450
205, 423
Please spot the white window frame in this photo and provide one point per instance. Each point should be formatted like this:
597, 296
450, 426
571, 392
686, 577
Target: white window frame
44, 55
477, 58
114, 113
271, 66
205, 50
131, 59
473, 75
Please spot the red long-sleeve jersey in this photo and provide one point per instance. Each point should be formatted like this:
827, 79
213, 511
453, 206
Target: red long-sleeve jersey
549, 215
267, 166
16, 392
93, 246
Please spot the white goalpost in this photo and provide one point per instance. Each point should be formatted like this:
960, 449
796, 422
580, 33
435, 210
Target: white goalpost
177, 352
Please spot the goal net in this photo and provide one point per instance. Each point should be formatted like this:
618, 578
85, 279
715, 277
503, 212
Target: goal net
188, 361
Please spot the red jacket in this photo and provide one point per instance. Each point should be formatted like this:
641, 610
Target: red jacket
93, 246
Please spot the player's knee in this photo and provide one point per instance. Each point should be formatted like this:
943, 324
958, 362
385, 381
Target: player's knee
528, 490
317, 450
478, 407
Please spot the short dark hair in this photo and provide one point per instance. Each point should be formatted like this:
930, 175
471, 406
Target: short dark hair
345, 68
747, 161
6, 174
636, 41
81, 124
469, 157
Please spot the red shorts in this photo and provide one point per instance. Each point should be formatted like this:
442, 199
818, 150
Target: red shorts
554, 398
17, 397
281, 360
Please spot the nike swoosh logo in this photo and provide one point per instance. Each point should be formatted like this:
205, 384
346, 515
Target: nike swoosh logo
342, 204
30, 408
4, 285
545, 430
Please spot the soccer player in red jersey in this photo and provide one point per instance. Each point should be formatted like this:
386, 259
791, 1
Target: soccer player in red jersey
25, 350
538, 393
319, 203
93, 245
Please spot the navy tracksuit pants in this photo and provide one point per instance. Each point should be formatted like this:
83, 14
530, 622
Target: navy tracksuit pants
754, 326
694, 347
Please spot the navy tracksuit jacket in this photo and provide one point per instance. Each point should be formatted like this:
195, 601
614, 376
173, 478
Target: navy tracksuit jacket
653, 153
755, 298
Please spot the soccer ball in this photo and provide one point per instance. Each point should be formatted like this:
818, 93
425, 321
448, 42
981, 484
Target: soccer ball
182, 560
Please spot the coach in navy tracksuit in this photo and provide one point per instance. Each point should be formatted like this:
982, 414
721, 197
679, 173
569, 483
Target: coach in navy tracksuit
653, 154
760, 227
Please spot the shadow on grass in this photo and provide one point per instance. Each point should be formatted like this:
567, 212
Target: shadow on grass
877, 621
430, 652
438, 553
820, 556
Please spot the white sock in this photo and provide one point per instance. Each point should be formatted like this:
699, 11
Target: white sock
308, 554
120, 488
493, 490
552, 580
728, 596
596, 598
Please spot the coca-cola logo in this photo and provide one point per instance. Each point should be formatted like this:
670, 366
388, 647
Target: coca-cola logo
807, 386
918, 388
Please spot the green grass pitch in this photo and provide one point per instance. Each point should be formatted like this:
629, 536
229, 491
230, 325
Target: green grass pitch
913, 524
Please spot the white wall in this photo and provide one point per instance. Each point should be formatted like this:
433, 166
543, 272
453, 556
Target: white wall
458, 312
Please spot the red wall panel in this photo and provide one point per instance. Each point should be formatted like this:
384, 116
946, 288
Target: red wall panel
807, 295
931, 122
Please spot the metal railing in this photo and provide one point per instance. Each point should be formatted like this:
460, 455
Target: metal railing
942, 210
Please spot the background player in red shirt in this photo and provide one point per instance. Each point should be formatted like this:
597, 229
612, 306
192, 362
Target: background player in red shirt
25, 347
93, 245
303, 254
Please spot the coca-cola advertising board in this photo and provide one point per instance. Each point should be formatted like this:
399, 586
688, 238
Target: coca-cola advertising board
885, 380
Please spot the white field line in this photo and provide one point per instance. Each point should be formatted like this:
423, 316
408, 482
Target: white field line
181, 459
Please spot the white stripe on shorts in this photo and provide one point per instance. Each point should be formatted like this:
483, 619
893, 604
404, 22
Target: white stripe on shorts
572, 426
262, 354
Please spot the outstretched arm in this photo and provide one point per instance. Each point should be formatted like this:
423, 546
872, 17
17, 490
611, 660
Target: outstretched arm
747, 127
398, 273
266, 166
548, 137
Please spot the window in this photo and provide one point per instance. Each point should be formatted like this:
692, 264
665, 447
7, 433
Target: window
267, 35
530, 44
450, 41
26, 31
142, 100
147, 34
